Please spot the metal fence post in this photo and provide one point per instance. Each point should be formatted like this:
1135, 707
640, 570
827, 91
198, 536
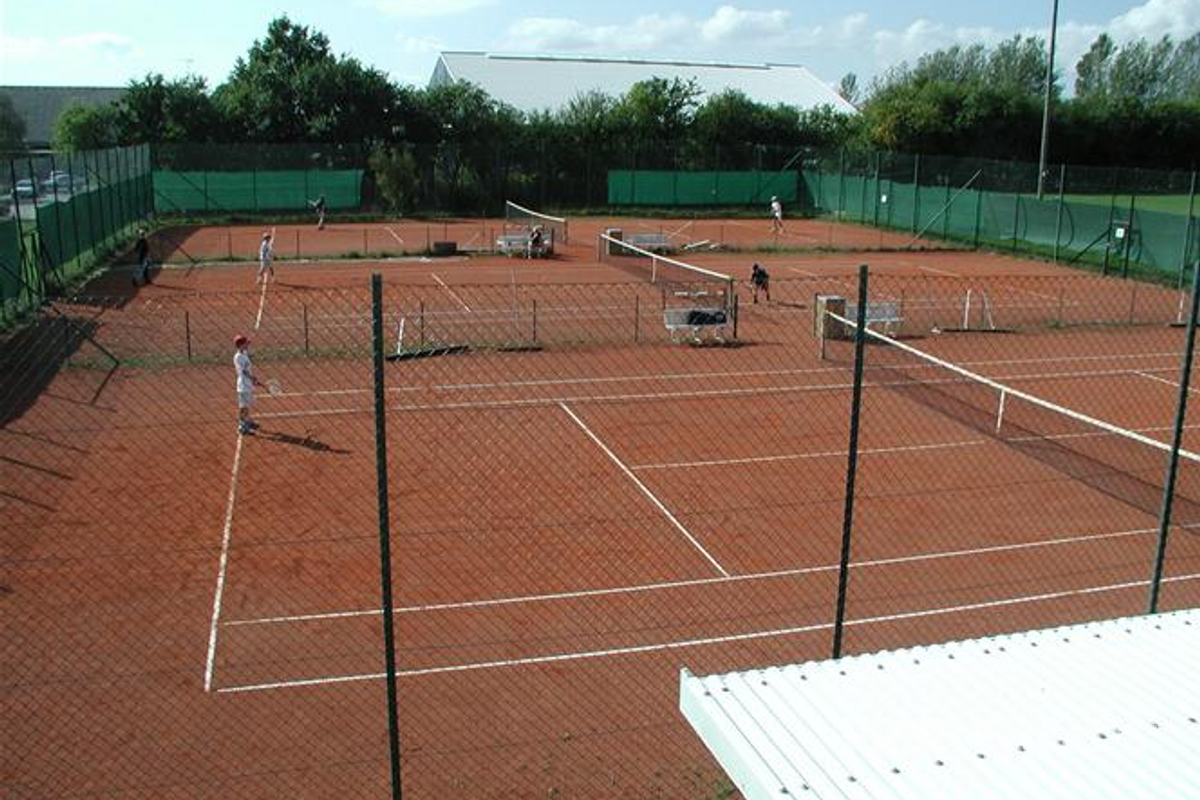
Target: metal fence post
860, 338
385, 553
1187, 230
1062, 191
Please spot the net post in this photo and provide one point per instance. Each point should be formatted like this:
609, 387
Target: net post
385, 554
851, 462
1164, 522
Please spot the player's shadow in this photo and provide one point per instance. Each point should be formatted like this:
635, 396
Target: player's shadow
307, 442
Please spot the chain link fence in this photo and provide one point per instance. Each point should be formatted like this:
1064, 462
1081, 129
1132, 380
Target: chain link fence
578, 507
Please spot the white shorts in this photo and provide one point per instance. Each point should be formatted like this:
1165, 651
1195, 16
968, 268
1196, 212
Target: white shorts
245, 399
264, 266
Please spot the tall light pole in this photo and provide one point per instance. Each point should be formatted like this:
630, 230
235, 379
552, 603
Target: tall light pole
1046, 107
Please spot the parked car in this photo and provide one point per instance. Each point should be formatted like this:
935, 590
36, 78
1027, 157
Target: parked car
60, 182
25, 189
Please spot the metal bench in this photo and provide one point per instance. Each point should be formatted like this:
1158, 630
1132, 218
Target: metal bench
654, 242
698, 324
879, 313
517, 244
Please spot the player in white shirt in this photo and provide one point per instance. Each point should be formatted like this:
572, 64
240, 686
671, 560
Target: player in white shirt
776, 215
246, 381
266, 255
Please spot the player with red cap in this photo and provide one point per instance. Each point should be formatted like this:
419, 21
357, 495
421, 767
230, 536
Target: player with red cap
246, 381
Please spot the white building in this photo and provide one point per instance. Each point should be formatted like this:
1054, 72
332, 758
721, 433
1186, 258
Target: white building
536, 83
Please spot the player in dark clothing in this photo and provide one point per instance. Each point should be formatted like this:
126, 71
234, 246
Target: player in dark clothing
761, 281
141, 250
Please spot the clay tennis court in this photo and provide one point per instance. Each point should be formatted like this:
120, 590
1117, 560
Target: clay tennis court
570, 523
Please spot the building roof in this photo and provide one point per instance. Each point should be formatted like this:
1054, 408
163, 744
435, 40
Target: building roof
40, 106
534, 83
1106, 709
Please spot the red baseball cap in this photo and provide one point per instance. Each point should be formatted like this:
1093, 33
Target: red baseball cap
240, 341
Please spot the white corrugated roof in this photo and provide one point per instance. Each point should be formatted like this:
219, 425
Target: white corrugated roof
1103, 710
534, 83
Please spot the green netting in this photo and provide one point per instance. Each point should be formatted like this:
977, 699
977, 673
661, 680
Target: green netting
10, 259
700, 188
267, 190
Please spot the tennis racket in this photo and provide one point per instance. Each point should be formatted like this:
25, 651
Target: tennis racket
274, 387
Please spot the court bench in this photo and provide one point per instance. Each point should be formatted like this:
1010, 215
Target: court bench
517, 244
653, 242
883, 313
698, 323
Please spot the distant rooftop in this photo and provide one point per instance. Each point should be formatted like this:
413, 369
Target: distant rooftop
543, 82
40, 106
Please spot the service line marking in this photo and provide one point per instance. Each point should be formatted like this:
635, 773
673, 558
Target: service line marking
452, 293
395, 235
262, 301
643, 488
222, 567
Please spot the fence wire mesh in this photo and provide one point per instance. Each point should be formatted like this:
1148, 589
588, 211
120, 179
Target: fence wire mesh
579, 508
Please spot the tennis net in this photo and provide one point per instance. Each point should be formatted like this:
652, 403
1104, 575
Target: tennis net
518, 216
1125, 464
681, 282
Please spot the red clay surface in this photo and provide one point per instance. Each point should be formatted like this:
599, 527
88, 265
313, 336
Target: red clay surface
193, 614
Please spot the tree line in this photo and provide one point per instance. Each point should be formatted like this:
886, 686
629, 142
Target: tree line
969, 101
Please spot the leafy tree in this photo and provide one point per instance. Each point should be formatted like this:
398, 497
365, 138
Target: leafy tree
1183, 71
657, 111
12, 127
1018, 66
82, 127
157, 110
848, 87
1139, 70
1091, 71
290, 88
399, 179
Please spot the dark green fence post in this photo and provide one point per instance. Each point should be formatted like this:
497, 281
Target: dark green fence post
860, 338
58, 234
1112, 210
74, 206
978, 214
1129, 229
1187, 230
916, 215
385, 552
1062, 191
875, 199
841, 209
1168, 496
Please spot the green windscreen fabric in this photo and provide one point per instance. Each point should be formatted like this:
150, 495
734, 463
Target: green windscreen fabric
10, 260
259, 190
700, 188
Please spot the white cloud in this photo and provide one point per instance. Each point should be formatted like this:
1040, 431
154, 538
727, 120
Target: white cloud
409, 9
419, 45
18, 48
850, 27
111, 44
729, 24
643, 36
1157, 18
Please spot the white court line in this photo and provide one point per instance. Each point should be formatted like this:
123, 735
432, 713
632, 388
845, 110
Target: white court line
457, 299
937, 271
677, 645
724, 462
222, 565
395, 235
646, 491
262, 301
686, 584
1156, 379
804, 272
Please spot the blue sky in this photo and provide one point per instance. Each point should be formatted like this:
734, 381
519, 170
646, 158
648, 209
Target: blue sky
92, 43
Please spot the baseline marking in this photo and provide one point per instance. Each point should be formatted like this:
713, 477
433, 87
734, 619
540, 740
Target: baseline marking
686, 584
222, 566
739, 637
457, 299
262, 301
646, 491
937, 271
